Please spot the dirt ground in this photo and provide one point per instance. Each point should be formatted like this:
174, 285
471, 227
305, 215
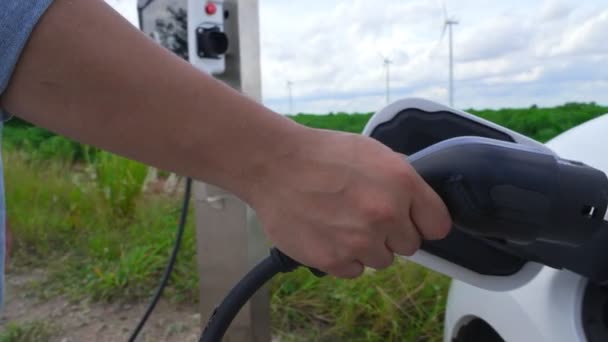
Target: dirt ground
94, 322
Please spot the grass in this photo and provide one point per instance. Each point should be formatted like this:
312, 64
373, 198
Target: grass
120, 180
32, 331
404, 302
61, 221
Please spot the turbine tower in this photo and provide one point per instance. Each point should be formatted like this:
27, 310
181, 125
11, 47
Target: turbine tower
387, 68
289, 85
447, 25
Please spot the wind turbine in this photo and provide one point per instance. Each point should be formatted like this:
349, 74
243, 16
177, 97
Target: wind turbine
289, 85
447, 25
387, 68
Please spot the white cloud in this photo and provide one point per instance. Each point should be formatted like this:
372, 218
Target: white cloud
554, 10
494, 38
531, 75
589, 37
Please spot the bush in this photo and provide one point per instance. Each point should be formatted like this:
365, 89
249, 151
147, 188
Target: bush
353, 123
42, 145
541, 124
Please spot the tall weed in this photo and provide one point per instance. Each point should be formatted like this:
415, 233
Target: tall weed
120, 181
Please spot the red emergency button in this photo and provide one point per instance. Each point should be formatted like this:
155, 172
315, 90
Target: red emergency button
210, 8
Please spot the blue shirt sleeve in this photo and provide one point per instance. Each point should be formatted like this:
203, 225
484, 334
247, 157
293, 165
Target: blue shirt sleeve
17, 20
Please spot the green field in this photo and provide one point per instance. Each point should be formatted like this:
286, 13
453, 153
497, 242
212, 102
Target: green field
79, 213
538, 123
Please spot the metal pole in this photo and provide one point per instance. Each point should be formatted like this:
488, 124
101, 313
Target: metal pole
229, 237
451, 67
388, 77
289, 84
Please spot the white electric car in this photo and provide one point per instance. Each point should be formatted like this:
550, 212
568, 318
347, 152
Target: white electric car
505, 291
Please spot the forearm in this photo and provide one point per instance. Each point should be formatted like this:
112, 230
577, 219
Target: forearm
88, 74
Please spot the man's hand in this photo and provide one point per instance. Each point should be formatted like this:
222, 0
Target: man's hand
341, 201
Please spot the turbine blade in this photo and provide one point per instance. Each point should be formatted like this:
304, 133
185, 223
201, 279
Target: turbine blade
445, 11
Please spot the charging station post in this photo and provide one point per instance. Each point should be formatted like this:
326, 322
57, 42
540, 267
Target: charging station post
223, 39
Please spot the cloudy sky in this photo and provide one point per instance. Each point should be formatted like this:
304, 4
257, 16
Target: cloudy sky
506, 53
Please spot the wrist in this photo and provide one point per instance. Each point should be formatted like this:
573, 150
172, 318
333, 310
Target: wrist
267, 156
302, 162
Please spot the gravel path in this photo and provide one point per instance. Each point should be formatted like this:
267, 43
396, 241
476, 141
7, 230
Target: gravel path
94, 322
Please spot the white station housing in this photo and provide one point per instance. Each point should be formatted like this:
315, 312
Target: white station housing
207, 41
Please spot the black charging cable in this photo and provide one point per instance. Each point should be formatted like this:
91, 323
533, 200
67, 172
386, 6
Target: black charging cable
223, 315
170, 264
